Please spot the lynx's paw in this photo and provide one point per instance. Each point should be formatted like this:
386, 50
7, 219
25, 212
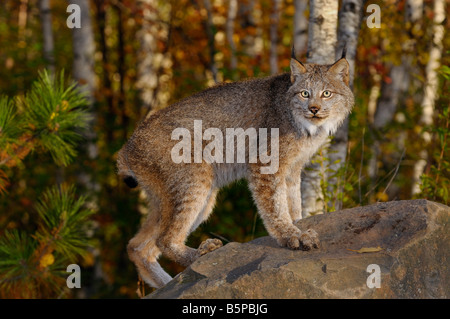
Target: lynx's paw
303, 240
209, 245
309, 239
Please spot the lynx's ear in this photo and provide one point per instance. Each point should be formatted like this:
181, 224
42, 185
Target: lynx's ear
341, 68
297, 67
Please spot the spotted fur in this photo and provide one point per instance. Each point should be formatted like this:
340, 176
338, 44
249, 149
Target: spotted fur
182, 196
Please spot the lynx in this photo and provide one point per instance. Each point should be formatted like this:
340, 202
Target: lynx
305, 105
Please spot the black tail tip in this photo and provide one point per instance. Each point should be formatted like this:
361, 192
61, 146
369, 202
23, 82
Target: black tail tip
130, 181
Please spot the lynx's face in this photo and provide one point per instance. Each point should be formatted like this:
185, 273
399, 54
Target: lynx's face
320, 96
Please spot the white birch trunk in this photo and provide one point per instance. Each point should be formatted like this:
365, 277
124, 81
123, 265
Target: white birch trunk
322, 31
322, 37
154, 65
350, 17
83, 72
147, 79
300, 27
430, 92
83, 50
413, 10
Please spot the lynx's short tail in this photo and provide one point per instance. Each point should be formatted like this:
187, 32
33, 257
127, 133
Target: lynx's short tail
124, 170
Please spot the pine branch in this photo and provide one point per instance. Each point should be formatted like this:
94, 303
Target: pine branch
57, 114
62, 218
32, 266
52, 116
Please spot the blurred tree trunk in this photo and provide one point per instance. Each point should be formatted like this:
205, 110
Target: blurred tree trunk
147, 80
231, 18
121, 68
322, 37
350, 17
274, 23
430, 91
152, 60
83, 47
47, 33
210, 33
300, 27
106, 86
83, 51
246, 17
22, 19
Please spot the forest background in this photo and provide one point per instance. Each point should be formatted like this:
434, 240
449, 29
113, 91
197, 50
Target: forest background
61, 201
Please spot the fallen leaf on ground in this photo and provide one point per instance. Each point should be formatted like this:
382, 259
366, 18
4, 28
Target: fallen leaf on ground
367, 250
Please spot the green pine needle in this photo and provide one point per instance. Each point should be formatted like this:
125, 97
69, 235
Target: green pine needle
16, 250
63, 218
55, 115
9, 128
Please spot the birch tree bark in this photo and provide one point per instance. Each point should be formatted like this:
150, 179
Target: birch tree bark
322, 32
350, 17
300, 27
322, 37
83, 51
274, 23
430, 91
146, 74
47, 32
83, 72
152, 62
83, 47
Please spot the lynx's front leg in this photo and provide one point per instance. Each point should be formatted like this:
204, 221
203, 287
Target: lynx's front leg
294, 198
270, 195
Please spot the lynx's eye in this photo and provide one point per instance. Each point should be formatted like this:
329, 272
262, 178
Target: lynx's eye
304, 94
326, 94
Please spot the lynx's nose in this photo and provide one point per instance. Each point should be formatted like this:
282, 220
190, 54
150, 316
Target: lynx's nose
314, 109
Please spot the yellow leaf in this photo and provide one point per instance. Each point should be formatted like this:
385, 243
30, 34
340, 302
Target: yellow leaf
367, 250
382, 197
46, 260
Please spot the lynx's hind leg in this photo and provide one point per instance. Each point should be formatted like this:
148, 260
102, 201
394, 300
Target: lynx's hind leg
210, 244
143, 251
191, 203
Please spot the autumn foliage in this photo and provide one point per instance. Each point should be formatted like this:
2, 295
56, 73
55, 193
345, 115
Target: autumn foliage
58, 181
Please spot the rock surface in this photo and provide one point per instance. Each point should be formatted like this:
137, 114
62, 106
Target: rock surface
414, 237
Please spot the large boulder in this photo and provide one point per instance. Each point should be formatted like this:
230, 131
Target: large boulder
407, 241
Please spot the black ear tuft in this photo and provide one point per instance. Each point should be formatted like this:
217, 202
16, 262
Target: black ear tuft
293, 55
344, 51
